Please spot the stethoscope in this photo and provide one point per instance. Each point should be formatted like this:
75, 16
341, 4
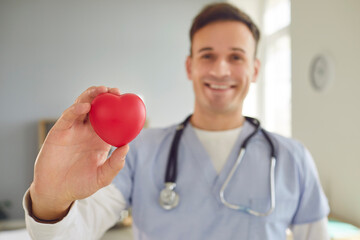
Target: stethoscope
169, 199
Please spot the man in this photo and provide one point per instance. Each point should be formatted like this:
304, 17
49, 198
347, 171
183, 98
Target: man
70, 197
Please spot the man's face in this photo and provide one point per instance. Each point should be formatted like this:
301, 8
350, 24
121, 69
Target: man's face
222, 66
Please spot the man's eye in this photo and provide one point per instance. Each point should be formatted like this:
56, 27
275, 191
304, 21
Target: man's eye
206, 56
236, 57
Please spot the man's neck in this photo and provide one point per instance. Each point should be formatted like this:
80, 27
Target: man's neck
217, 122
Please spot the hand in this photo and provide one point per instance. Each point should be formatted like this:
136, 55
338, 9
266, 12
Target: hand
72, 163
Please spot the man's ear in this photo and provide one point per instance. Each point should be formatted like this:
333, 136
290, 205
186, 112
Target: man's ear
188, 67
257, 65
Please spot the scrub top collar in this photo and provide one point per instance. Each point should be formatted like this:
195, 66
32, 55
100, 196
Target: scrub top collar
203, 162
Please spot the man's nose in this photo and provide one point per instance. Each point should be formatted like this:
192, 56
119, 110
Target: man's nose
221, 68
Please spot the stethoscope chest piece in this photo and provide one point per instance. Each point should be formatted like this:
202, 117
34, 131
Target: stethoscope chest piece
169, 199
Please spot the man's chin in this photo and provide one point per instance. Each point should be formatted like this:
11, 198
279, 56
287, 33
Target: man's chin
222, 109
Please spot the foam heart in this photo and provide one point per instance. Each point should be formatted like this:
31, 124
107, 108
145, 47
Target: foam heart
117, 119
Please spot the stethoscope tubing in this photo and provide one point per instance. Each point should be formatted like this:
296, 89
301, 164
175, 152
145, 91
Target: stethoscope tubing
171, 171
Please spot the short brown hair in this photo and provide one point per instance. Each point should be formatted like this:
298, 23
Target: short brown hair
222, 12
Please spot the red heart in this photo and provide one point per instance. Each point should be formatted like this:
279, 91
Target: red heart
117, 119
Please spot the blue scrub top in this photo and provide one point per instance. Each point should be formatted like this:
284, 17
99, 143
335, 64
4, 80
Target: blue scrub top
200, 213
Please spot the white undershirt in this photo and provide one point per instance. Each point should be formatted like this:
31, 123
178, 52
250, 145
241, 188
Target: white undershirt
218, 144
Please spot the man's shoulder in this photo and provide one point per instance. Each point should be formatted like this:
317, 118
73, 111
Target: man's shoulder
287, 142
288, 145
154, 136
150, 133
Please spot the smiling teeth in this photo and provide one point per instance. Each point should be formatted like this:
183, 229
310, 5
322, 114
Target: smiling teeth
219, 86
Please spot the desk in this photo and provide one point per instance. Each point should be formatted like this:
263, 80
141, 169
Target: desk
123, 233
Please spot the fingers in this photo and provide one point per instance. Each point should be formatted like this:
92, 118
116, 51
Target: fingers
81, 106
90, 94
112, 166
114, 91
71, 115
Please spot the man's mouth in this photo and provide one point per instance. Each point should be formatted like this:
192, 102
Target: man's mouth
219, 86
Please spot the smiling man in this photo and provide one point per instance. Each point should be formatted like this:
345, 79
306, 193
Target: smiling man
221, 66
225, 177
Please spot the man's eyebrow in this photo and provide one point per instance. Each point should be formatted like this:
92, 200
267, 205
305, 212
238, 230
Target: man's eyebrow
232, 49
205, 49
238, 49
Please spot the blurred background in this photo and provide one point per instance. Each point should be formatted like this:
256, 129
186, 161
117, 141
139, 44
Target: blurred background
51, 51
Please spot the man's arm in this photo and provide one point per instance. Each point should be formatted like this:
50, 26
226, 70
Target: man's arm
72, 163
66, 196
311, 231
87, 218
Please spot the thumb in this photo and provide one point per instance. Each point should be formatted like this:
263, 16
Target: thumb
112, 166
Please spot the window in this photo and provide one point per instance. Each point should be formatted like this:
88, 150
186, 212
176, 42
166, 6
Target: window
276, 97
270, 98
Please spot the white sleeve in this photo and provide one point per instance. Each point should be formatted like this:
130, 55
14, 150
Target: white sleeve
311, 231
88, 218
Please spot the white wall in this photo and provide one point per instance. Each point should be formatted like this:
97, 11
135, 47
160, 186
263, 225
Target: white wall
328, 122
50, 51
